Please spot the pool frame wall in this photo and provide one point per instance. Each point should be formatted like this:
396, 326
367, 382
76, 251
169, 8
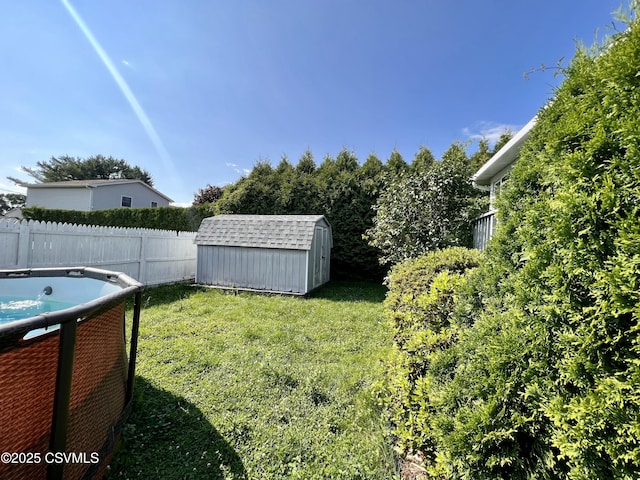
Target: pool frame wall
105, 310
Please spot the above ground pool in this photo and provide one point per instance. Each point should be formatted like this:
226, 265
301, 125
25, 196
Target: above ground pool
66, 382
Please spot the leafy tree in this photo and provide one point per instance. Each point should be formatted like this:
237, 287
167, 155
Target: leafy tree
97, 167
371, 175
426, 210
342, 204
567, 239
482, 155
502, 141
284, 175
209, 194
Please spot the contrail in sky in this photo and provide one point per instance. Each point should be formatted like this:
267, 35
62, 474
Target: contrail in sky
126, 91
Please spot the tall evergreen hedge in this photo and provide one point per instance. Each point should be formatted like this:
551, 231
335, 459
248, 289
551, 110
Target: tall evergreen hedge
569, 250
543, 377
161, 218
419, 306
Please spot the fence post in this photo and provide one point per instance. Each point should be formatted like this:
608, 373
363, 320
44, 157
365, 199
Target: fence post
144, 237
23, 245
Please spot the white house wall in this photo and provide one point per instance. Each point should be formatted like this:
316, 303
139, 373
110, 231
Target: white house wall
110, 196
64, 198
269, 269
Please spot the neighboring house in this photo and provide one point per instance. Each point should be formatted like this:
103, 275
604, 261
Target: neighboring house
90, 195
15, 212
491, 177
274, 253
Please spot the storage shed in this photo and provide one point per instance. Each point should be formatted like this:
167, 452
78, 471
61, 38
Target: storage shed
276, 253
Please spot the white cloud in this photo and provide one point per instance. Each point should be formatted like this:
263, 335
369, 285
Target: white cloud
236, 168
489, 130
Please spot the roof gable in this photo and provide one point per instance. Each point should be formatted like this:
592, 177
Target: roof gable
291, 232
504, 157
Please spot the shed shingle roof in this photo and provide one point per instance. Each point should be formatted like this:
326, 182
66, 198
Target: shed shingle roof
291, 232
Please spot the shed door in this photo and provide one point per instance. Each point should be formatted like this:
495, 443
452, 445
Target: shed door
326, 254
320, 259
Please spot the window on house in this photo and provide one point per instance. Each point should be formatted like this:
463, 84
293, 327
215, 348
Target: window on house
497, 188
126, 201
500, 184
154, 204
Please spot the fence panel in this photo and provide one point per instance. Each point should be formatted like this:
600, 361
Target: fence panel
9, 243
150, 256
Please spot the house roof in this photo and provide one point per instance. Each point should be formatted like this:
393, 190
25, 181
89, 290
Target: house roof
93, 184
291, 232
507, 155
15, 212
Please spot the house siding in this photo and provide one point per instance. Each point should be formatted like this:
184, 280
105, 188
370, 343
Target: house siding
110, 196
491, 177
60, 198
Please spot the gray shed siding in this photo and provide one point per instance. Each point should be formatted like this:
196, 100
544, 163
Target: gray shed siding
268, 269
276, 253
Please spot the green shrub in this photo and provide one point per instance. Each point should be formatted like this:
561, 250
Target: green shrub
535, 372
427, 209
545, 382
419, 305
160, 218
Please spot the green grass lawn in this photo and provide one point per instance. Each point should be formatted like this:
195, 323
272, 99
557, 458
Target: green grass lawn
258, 387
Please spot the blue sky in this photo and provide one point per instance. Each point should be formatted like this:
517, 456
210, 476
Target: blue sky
197, 91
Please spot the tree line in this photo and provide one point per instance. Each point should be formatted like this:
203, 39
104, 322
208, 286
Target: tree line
380, 212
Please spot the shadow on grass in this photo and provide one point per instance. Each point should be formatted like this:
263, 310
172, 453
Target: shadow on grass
345, 291
168, 437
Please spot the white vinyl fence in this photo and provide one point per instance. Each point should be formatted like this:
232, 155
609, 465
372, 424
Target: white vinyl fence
152, 257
